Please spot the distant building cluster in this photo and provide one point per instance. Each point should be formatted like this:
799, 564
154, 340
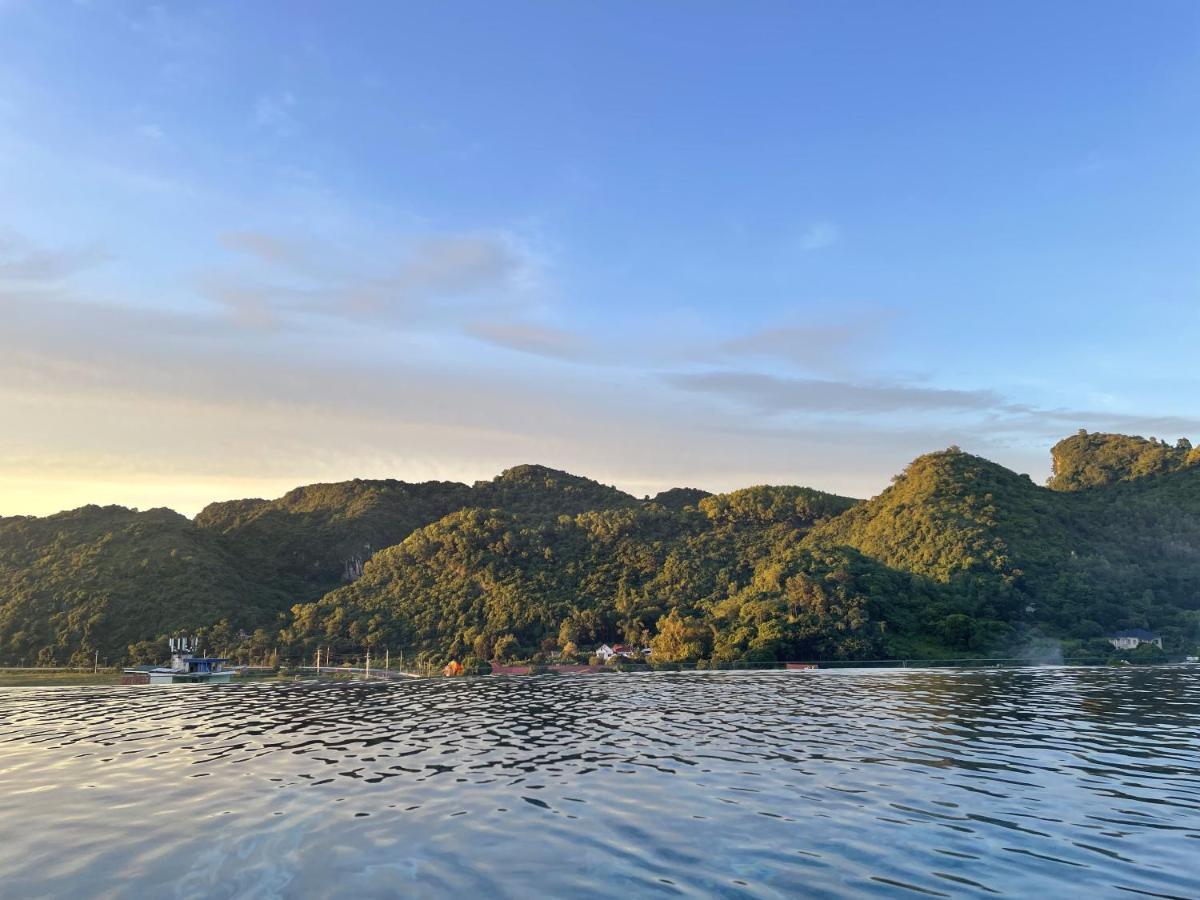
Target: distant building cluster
605, 652
1134, 638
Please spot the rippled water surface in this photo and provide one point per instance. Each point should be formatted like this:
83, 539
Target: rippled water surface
1047, 782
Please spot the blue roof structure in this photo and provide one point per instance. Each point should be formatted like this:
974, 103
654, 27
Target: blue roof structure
1140, 633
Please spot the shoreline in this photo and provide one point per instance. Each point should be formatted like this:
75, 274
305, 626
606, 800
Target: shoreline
32, 678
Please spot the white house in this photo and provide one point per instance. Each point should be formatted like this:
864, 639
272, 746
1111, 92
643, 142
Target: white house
604, 653
1134, 638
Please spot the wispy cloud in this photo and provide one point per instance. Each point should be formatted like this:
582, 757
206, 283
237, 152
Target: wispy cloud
422, 279
526, 337
792, 341
181, 408
984, 415
272, 249
772, 394
275, 113
178, 29
818, 236
21, 260
457, 265
811, 345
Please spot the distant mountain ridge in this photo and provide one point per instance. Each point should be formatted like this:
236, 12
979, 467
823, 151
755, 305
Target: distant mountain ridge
958, 555
314, 537
318, 536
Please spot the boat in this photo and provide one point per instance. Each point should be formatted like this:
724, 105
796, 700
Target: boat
185, 667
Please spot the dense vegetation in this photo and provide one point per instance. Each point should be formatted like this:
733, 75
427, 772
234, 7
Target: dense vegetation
482, 579
1020, 560
311, 539
1087, 460
102, 578
959, 556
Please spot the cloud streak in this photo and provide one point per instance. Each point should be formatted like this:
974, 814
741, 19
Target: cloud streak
181, 408
23, 261
819, 345
427, 279
772, 394
274, 113
526, 337
983, 414
819, 236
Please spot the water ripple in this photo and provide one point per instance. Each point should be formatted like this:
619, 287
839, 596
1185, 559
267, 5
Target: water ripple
934, 783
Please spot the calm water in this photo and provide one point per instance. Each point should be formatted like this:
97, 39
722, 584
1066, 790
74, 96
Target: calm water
1050, 782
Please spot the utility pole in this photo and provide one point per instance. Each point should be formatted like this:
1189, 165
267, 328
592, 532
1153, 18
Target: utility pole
96, 663
368, 662
387, 658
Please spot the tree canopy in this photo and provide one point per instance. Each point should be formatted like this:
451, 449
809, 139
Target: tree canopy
959, 555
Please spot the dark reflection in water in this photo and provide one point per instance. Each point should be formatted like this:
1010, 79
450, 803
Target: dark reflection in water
1051, 782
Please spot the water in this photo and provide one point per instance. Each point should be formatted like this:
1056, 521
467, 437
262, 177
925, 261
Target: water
1049, 782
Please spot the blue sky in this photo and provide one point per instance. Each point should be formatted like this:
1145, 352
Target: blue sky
246, 246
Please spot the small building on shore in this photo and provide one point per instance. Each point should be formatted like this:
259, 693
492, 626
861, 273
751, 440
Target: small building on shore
1133, 638
185, 667
606, 652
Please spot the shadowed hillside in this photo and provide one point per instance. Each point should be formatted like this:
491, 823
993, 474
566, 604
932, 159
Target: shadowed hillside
678, 498
101, 578
539, 490
318, 536
1077, 564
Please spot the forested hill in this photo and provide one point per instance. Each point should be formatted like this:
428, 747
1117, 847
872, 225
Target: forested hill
958, 556
729, 571
102, 578
314, 537
1070, 564
317, 537
1087, 460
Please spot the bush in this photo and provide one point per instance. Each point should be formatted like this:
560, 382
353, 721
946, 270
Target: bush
758, 657
1147, 655
473, 665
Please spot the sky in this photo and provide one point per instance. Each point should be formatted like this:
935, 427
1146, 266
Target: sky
247, 246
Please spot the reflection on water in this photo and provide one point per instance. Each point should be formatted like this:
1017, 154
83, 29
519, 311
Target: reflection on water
1050, 781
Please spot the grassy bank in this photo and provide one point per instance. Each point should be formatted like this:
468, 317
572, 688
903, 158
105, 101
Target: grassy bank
33, 678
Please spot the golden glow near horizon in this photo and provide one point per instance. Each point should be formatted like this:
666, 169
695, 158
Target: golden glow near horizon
221, 276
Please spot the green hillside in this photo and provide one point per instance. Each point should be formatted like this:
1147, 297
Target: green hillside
958, 556
538, 490
101, 578
678, 498
733, 569
104, 579
1067, 564
1088, 460
316, 537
